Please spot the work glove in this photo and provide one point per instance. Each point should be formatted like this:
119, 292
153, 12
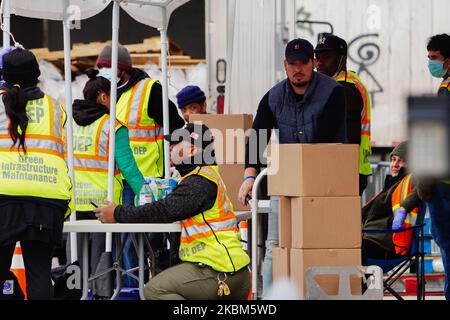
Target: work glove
399, 218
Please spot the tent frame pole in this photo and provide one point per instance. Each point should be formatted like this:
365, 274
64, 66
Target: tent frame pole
69, 122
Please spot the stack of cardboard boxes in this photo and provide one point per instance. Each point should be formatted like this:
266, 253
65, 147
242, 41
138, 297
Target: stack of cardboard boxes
230, 133
319, 211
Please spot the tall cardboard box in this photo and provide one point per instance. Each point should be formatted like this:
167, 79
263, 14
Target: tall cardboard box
302, 259
280, 263
313, 170
230, 132
325, 222
232, 175
285, 222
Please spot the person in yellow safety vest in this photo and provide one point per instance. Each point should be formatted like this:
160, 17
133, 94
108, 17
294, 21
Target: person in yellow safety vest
394, 207
35, 188
91, 153
140, 108
439, 61
331, 59
214, 264
436, 190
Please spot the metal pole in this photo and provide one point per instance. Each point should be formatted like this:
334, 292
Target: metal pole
231, 17
6, 22
69, 123
165, 87
255, 232
112, 111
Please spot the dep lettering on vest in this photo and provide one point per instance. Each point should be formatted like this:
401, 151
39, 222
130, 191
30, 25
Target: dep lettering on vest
35, 111
82, 138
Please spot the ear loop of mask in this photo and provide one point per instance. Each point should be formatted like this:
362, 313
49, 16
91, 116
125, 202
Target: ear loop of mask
340, 65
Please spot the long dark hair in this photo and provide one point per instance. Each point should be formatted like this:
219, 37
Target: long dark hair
95, 85
15, 103
20, 71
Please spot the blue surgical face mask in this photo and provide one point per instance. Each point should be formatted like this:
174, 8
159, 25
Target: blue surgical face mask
436, 68
107, 74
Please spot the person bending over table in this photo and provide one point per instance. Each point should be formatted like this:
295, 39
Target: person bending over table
214, 264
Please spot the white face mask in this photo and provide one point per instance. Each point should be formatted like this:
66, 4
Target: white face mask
107, 74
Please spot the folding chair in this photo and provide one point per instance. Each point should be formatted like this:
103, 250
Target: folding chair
400, 264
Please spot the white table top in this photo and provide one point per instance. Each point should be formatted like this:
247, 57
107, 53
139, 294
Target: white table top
93, 226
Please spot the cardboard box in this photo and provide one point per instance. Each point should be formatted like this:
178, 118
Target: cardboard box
232, 175
280, 263
230, 132
302, 259
284, 222
326, 222
313, 170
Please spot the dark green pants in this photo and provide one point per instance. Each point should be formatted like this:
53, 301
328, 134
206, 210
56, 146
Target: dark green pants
189, 281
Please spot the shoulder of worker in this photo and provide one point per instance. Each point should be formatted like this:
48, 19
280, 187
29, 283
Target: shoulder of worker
325, 80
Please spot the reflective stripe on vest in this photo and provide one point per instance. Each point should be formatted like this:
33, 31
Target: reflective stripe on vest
445, 84
146, 136
41, 171
402, 240
365, 149
91, 154
212, 237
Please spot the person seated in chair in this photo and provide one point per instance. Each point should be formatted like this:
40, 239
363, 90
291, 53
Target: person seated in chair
395, 207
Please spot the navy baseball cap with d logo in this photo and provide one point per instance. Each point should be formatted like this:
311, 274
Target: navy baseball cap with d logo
299, 49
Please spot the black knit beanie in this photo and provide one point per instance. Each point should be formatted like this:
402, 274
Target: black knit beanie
20, 67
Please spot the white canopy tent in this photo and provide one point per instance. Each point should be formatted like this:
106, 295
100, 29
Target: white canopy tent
154, 13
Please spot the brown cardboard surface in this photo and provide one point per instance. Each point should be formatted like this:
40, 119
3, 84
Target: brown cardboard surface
280, 263
316, 170
232, 175
229, 145
302, 259
326, 222
284, 222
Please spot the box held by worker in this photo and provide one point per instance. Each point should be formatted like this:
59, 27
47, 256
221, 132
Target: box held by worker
232, 175
325, 222
284, 222
230, 132
280, 263
302, 259
313, 170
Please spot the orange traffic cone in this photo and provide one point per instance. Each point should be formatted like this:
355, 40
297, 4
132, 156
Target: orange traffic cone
18, 268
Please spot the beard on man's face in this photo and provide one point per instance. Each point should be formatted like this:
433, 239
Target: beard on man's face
299, 84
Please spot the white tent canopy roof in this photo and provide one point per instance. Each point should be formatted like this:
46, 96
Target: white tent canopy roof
154, 13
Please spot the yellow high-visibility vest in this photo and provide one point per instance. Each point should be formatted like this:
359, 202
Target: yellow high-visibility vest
41, 171
146, 136
212, 237
445, 84
365, 149
91, 154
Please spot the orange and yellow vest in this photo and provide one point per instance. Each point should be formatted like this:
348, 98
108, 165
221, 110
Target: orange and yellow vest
146, 136
445, 84
41, 171
212, 237
365, 149
91, 154
402, 240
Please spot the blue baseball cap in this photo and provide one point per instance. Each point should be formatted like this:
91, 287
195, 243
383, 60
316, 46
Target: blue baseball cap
299, 49
190, 94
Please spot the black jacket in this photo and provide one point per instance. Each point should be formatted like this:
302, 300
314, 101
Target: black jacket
192, 196
377, 214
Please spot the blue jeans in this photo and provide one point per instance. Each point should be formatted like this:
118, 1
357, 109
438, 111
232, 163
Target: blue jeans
130, 258
272, 241
440, 226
